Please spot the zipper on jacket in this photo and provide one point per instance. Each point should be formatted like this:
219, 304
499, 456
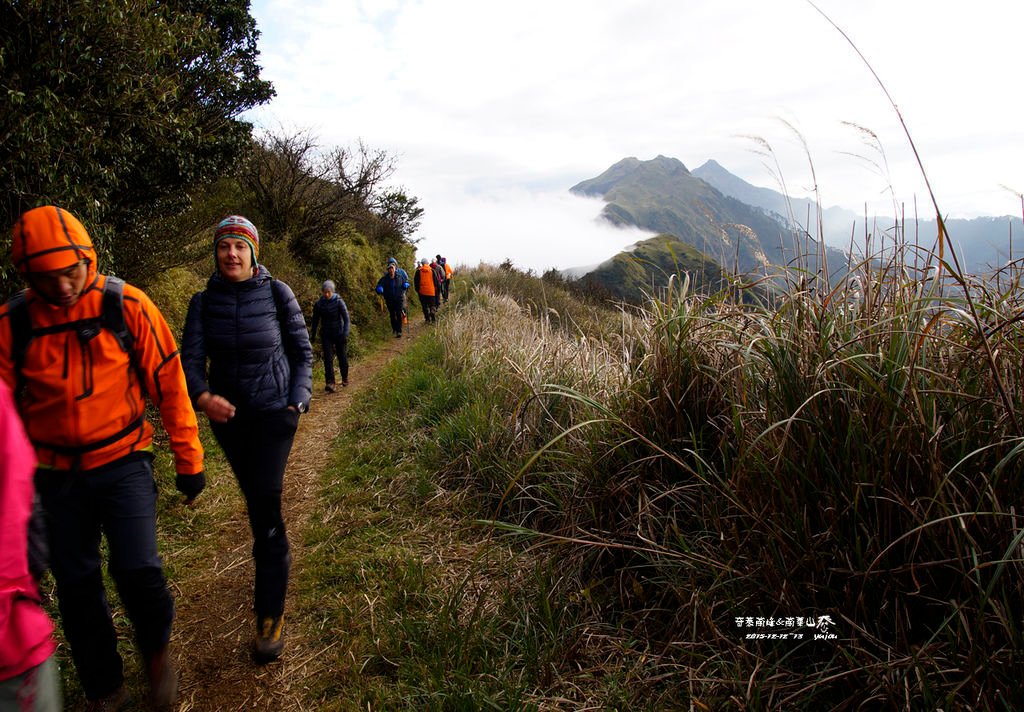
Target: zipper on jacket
87, 369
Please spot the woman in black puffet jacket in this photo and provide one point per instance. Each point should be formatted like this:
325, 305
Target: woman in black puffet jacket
248, 327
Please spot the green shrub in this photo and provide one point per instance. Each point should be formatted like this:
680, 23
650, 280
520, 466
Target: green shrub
172, 290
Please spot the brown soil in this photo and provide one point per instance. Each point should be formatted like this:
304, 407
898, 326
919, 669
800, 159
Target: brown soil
215, 626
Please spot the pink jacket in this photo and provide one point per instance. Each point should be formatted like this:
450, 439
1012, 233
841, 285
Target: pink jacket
25, 629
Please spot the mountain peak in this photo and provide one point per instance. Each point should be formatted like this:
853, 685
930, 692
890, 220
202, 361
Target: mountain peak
672, 164
631, 168
711, 166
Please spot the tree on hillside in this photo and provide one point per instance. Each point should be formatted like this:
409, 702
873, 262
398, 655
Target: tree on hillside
293, 190
116, 109
398, 217
306, 196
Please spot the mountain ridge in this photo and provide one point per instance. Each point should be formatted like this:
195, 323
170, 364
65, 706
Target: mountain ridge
982, 243
661, 195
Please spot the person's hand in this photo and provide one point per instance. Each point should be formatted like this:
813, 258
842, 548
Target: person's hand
217, 408
380, 289
190, 485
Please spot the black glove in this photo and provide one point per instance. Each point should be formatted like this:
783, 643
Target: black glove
190, 485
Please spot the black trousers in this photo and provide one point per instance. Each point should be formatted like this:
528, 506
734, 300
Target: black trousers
257, 446
395, 312
332, 345
429, 304
118, 500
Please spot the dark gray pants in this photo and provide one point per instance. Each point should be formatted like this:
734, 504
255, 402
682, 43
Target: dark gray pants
335, 345
118, 500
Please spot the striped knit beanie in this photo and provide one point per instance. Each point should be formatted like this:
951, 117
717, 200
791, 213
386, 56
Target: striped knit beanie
240, 227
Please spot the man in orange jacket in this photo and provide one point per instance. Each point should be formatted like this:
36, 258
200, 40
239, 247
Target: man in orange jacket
428, 287
80, 388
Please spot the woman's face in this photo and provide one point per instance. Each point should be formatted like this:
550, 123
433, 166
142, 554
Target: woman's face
234, 259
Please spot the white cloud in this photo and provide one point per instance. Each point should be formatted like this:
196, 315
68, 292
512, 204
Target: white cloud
536, 230
491, 102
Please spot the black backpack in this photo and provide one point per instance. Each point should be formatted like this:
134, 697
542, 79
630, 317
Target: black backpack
111, 318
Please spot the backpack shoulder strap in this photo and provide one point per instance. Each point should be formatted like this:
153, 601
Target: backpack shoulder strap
280, 300
112, 319
21, 332
112, 314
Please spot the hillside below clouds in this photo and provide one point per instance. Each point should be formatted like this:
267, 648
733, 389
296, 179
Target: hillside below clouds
746, 229
662, 196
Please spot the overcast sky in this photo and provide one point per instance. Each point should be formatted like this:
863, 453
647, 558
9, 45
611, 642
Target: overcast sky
495, 109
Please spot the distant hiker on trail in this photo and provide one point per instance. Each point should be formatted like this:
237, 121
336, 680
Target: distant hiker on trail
439, 273
29, 679
443, 261
392, 287
427, 286
81, 351
331, 310
404, 276
249, 328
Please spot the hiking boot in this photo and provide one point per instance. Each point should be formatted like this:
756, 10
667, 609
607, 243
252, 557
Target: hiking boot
163, 680
344, 383
116, 700
269, 639
329, 388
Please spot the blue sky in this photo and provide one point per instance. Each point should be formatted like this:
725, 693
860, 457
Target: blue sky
495, 109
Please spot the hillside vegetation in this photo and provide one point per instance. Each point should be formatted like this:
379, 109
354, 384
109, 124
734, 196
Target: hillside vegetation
809, 507
633, 275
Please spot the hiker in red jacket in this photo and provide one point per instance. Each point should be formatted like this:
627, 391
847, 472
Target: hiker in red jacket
82, 351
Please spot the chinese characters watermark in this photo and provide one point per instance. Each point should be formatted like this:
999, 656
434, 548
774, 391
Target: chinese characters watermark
787, 627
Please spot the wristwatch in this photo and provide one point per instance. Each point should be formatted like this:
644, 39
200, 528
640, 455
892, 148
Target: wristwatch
301, 407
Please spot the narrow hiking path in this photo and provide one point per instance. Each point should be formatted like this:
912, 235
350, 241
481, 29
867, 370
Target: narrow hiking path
215, 625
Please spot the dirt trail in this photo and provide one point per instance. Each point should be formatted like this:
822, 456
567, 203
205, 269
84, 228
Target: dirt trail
214, 626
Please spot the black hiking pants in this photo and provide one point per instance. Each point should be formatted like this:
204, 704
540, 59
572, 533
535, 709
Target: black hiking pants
429, 304
396, 311
332, 345
257, 446
119, 500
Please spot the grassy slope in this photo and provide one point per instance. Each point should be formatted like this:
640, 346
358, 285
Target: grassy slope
620, 567
676, 492
423, 605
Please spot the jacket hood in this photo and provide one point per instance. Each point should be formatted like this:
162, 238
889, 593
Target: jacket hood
50, 238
